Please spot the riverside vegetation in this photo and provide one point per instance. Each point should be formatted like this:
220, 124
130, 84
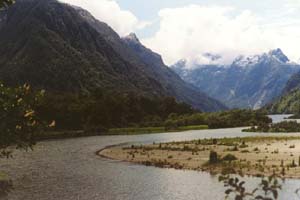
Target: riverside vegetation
103, 113
282, 127
107, 113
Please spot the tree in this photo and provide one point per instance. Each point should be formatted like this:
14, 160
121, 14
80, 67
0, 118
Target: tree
19, 123
6, 3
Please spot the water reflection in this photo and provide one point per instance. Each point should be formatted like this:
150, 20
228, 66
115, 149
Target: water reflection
279, 118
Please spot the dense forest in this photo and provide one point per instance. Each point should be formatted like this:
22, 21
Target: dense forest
100, 111
225, 119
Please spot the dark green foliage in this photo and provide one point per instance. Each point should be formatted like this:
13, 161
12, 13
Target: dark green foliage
19, 122
296, 116
101, 111
6, 3
236, 187
215, 141
268, 189
226, 119
284, 127
288, 103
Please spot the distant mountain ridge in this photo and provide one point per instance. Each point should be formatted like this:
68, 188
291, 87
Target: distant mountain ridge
63, 48
249, 82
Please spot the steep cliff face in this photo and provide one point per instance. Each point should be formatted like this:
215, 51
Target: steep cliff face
172, 83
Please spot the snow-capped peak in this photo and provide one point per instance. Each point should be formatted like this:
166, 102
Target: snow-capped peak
244, 61
276, 54
279, 55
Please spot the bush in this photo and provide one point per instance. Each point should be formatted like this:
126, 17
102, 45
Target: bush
284, 127
215, 141
229, 157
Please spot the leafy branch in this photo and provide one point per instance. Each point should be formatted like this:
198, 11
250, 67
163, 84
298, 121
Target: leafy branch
6, 3
268, 189
19, 122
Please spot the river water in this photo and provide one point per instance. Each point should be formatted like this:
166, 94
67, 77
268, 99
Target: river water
70, 170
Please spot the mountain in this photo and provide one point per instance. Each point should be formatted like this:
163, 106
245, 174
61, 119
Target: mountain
293, 83
172, 82
249, 82
63, 48
288, 102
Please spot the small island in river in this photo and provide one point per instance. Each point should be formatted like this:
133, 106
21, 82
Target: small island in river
257, 156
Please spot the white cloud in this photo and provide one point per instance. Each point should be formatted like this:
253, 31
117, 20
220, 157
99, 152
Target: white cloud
191, 31
109, 11
293, 4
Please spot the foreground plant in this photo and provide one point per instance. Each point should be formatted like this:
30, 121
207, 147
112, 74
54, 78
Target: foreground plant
19, 123
6, 3
268, 189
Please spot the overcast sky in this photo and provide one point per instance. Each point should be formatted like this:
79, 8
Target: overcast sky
188, 29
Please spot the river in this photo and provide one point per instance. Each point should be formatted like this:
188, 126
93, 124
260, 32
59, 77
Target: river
70, 170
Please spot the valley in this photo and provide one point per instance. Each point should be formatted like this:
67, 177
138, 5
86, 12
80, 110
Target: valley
93, 107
